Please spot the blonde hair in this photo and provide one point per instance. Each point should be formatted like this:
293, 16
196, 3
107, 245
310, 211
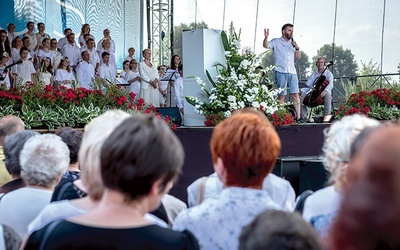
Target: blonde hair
96, 132
336, 148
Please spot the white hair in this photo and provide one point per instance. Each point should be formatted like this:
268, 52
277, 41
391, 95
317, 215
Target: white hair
44, 158
96, 133
338, 139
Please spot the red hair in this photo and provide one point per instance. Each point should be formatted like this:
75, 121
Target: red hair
248, 145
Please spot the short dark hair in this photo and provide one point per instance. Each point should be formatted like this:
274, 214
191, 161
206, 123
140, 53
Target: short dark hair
73, 139
276, 230
13, 145
287, 25
67, 29
28, 23
105, 53
140, 151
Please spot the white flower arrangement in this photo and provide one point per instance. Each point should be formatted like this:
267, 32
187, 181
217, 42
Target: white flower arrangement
236, 86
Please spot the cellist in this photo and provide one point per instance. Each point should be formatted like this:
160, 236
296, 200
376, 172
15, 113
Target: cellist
326, 94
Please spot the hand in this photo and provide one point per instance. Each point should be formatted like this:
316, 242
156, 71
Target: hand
323, 94
295, 45
181, 109
266, 32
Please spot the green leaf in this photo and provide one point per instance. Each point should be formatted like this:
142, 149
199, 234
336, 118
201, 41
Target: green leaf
225, 41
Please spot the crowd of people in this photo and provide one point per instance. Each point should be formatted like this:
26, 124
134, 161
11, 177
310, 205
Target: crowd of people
104, 188
75, 61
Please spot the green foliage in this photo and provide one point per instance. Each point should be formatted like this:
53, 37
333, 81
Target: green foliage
178, 30
345, 64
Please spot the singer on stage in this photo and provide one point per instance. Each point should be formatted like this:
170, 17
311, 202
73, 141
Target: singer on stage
285, 51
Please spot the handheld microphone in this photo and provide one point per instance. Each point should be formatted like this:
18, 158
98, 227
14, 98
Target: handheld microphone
329, 64
291, 37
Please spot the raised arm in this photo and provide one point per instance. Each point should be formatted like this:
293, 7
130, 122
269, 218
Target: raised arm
265, 42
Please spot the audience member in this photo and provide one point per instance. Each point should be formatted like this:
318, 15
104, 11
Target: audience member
150, 82
9, 239
85, 71
26, 43
73, 139
64, 75
278, 230
44, 158
13, 145
369, 214
9, 125
125, 68
135, 182
242, 167
321, 207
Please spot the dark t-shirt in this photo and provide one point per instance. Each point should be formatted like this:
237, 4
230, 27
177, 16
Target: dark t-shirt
69, 235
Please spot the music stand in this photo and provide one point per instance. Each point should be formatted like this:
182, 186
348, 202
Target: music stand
170, 75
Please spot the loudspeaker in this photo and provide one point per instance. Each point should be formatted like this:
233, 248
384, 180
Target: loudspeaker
313, 175
171, 112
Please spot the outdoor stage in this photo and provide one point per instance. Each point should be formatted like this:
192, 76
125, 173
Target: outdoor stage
301, 146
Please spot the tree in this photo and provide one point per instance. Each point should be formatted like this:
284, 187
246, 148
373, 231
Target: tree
345, 65
302, 65
178, 30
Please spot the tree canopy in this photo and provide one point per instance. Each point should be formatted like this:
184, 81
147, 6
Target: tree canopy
345, 65
178, 30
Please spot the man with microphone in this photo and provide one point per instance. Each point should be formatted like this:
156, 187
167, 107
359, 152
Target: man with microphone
285, 51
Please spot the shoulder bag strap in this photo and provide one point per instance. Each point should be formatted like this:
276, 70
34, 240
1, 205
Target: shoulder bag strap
200, 194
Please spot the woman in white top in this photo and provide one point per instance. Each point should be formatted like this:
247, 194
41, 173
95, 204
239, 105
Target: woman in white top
85, 30
125, 68
45, 50
163, 86
32, 36
56, 54
64, 76
133, 77
41, 35
16, 46
45, 72
149, 80
4, 74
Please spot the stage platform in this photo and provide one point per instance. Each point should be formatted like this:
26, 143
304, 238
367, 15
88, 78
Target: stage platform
300, 144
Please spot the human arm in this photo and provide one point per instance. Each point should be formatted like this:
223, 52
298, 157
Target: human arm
265, 42
297, 48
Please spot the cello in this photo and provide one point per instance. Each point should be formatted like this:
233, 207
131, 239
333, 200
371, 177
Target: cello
313, 98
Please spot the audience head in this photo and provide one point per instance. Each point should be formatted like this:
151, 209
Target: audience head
90, 43
46, 42
244, 148
369, 213
11, 27
85, 55
24, 52
26, 41
131, 51
53, 43
3, 35
41, 27
336, 148
64, 64
10, 124
126, 65
96, 132
132, 165
13, 145
71, 38
133, 64
73, 139
146, 54
276, 230
106, 33
44, 158
67, 31
30, 26
45, 65
106, 43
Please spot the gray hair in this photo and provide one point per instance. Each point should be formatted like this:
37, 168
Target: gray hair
9, 125
44, 159
336, 148
96, 132
12, 147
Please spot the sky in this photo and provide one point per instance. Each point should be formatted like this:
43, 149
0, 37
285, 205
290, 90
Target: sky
358, 24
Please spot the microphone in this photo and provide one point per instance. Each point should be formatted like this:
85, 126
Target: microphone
291, 37
12, 64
